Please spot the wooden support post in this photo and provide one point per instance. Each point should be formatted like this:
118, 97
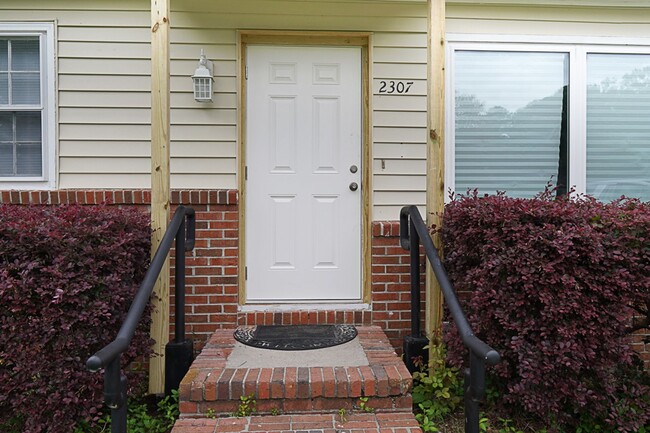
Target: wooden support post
435, 152
160, 193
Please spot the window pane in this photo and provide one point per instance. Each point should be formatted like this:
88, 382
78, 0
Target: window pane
20, 140
6, 127
28, 160
4, 55
618, 126
6, 160
26, 88
511, 121
28, 127
24, 55
4, 88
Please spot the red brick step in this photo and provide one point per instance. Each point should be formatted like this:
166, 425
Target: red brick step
320, 399
210, 387
403, 422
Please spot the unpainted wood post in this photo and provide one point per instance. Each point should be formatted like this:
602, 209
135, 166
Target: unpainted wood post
435, 152
160, 192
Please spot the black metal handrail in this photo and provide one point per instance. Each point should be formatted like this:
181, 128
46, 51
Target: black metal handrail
181, 228
412, 231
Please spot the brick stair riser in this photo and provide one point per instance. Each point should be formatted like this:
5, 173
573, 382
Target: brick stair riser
290, 382
322, 423
300, 389
297, 406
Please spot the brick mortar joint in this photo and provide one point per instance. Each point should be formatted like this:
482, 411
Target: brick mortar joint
385, 229
119, 196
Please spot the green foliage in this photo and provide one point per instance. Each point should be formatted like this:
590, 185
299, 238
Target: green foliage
483, 424
247, 406
427, 424
168, 408
12, 424
437, 391
343, 415
141, 418
363, 405
507, 426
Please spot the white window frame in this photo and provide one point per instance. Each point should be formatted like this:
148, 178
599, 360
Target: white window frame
577, 48
45, 33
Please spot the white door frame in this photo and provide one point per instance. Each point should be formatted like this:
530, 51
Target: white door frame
362, 40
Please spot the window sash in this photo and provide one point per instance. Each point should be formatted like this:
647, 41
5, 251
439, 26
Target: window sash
21, 144
510, 127
20, 71
44, 33
578, 50
618, 125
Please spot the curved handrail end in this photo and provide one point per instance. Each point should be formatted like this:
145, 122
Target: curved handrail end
404, 236
93, 364
492, 357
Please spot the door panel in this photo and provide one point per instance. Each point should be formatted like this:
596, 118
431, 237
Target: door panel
303, 222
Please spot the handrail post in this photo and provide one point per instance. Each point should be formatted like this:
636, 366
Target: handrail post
415, 279
179, 285
474, 390
118, 414
179, 353
115, 395
414, 344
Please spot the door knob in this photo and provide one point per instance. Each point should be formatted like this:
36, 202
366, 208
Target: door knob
353, 169
354, 186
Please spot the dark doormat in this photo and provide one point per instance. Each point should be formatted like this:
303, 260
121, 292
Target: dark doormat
295, 337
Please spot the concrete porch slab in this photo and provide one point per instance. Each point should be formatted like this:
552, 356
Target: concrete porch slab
349, 354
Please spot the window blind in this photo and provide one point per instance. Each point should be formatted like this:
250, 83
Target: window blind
509, 130
618, 126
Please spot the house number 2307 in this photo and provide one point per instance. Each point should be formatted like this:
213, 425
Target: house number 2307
399, 87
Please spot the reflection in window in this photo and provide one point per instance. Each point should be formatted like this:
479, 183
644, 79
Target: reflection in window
510, 121
618, 126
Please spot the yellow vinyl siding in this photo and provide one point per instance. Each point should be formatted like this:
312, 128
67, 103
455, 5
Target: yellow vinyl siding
103, 67
101, 149
399, 53
546, 20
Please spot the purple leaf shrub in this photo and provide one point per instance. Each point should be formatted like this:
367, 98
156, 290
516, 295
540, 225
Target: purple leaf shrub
552, 284
67, 277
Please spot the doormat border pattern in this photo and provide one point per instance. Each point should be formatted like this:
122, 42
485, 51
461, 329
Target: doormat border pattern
332, 335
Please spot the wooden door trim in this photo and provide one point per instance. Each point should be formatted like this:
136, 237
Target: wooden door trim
335, 39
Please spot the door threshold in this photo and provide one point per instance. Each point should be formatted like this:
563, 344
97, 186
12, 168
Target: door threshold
359, 306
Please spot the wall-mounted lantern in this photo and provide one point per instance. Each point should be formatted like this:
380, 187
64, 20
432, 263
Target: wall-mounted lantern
203, 80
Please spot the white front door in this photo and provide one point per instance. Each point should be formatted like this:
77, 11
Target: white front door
303, 160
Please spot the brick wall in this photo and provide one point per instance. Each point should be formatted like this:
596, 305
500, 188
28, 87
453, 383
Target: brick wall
212, 268
212, 272
641, 343
391, 283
